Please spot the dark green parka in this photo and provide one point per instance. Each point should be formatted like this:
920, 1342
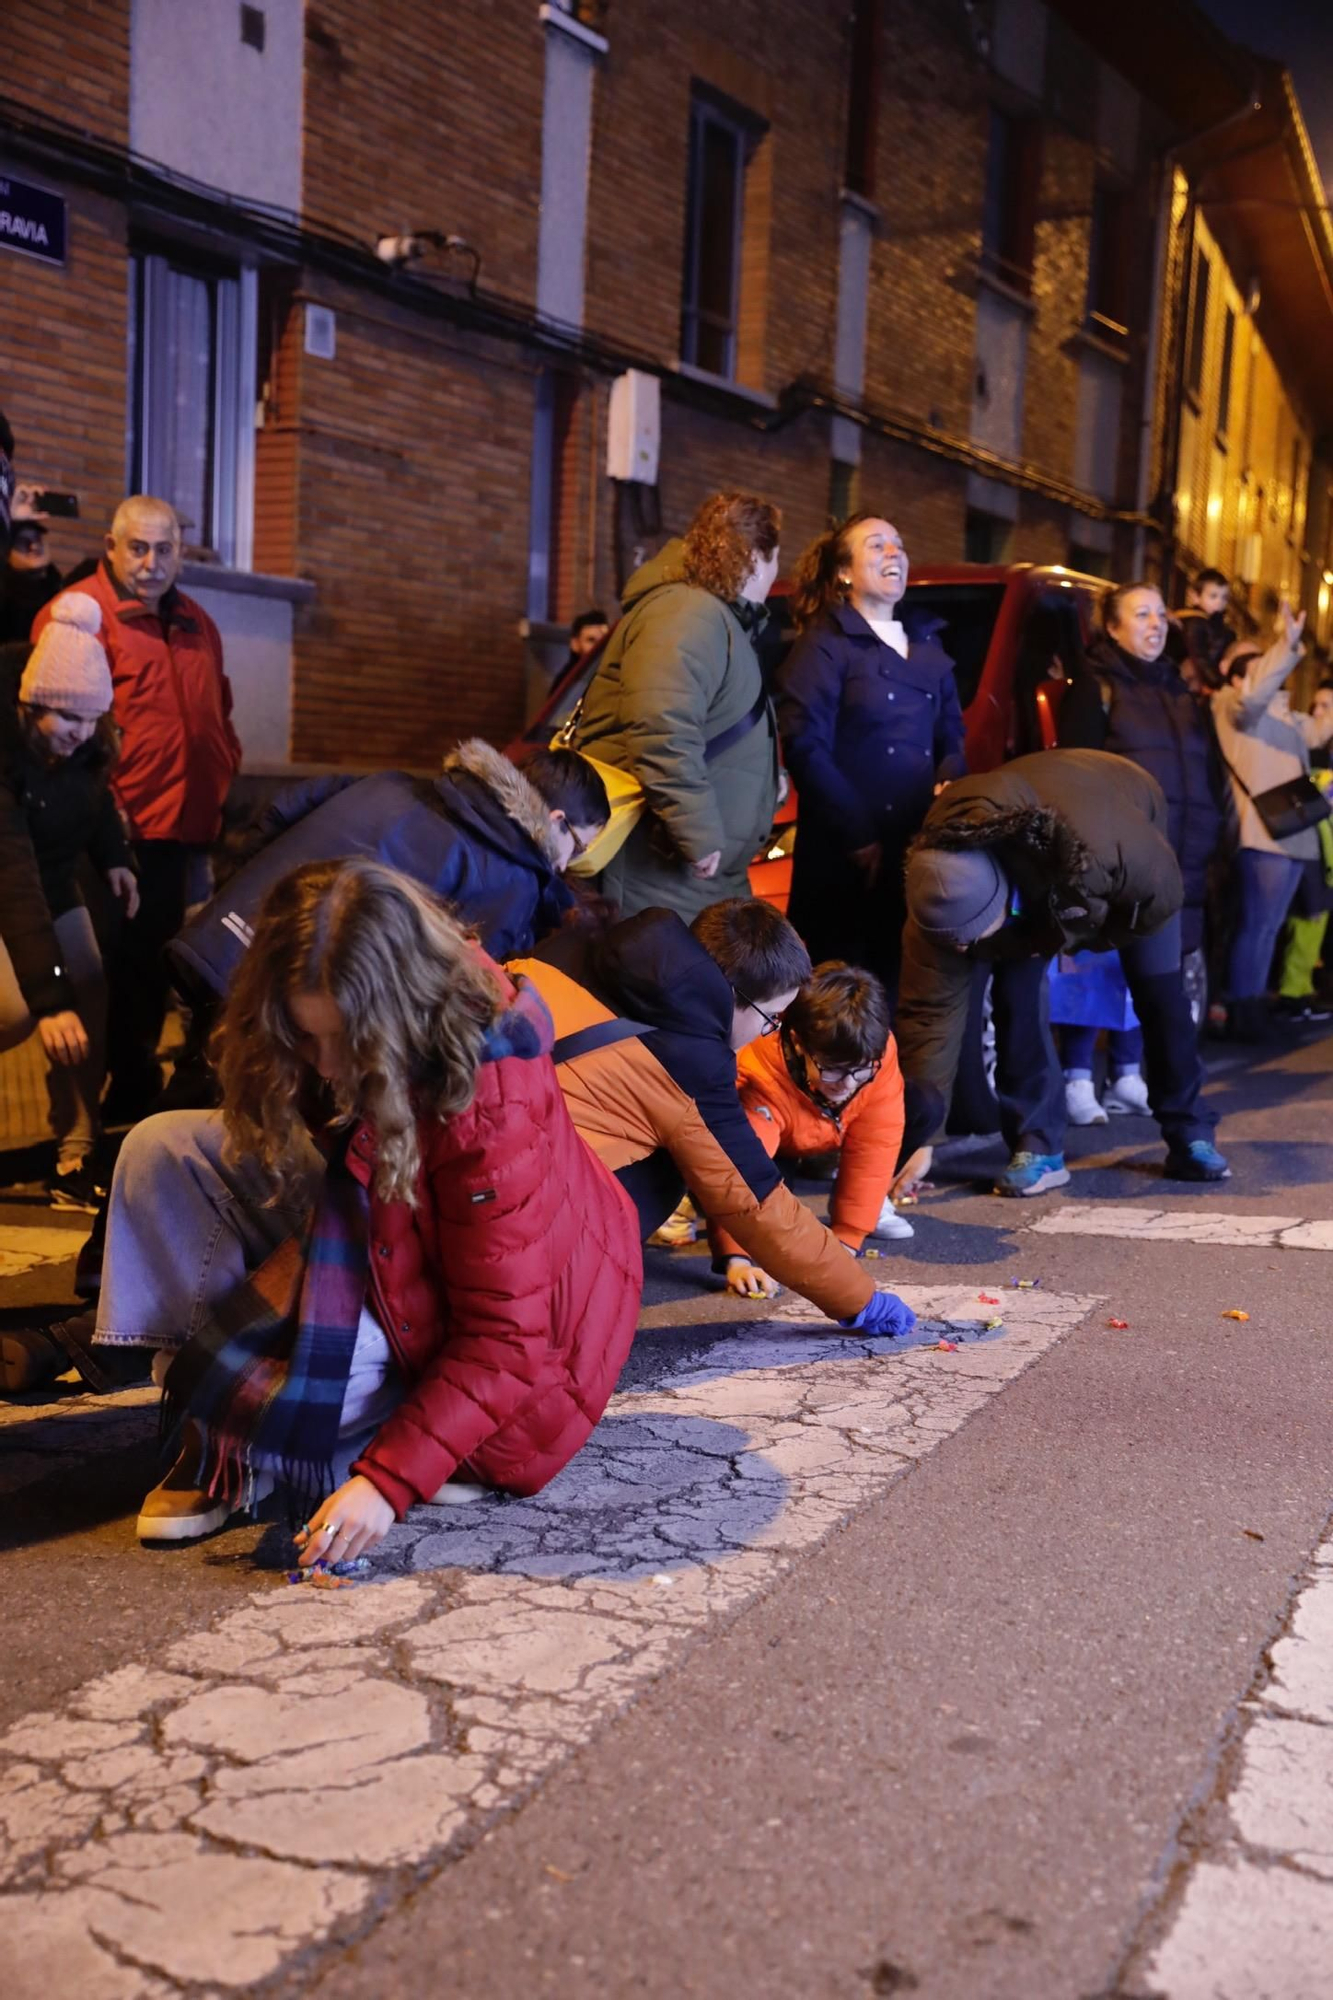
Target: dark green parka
677, 673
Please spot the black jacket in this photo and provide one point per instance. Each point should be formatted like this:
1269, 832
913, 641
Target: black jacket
1082, 838
51, 815
478, 836
1145, 711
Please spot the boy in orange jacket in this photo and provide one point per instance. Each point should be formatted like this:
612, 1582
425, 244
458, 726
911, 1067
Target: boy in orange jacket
829, 1079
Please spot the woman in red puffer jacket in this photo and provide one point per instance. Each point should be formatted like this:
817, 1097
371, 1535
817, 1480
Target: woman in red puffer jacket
462, 1285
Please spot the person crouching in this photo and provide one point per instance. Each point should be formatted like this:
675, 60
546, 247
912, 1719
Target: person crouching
449, 1281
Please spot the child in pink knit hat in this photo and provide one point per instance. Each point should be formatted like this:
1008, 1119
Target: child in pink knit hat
57, 748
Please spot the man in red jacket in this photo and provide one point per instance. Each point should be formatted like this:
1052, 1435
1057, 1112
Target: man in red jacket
179, 754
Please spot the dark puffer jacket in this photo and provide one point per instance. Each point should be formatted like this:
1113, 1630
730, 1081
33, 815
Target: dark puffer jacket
479, 837
1144, 711
51, 814
1081, 836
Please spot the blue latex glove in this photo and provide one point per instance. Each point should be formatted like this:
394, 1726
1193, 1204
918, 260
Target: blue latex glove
884, 1314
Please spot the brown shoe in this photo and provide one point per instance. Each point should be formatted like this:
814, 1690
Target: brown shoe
177, 1510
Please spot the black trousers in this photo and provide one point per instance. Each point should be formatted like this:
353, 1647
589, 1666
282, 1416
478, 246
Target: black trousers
1029, 1082
138, 971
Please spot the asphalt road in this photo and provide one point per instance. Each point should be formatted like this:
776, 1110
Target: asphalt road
827, 1669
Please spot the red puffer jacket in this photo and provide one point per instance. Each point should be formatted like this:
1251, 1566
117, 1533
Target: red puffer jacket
178, 752
511, 1293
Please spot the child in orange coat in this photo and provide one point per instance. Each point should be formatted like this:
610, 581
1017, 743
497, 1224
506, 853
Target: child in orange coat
829, 1080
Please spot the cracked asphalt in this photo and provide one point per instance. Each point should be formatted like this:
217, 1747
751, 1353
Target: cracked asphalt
827, 1669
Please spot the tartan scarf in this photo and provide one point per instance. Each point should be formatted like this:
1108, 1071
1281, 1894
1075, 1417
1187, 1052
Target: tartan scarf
266, 1376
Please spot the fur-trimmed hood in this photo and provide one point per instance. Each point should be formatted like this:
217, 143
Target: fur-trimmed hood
517, 798
1049, 840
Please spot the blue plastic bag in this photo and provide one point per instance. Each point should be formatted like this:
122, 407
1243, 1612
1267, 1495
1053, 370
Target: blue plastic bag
1088, 990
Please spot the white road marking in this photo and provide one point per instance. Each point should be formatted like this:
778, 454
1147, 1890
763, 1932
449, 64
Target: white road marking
207, 1810
1255, 1918
1183, 1225
26, 1245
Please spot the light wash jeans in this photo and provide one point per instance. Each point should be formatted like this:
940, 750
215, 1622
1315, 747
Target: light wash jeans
186, 1227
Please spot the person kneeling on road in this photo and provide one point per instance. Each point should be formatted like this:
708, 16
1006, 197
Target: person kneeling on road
649, 1016
1063, 851
451, 1289
828, 1080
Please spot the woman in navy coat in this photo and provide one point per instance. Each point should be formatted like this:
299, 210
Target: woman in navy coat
871, 726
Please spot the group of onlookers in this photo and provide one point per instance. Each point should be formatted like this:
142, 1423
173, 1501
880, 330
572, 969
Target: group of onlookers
385, 1245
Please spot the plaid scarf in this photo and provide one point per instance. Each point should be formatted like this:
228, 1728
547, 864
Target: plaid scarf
265, 1378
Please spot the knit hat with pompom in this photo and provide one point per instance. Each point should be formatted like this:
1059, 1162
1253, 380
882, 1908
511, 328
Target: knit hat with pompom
67, 667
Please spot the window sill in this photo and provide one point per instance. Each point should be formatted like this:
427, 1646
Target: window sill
556, 17
1097, 343
726, 385
245, 583
988, 281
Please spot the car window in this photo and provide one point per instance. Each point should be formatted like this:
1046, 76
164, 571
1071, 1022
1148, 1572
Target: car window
965, 614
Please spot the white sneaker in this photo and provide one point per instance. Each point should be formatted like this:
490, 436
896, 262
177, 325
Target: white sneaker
681, 1226
1081, 1106
891, 1223
1127, 1096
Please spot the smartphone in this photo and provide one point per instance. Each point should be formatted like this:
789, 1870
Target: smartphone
65, 506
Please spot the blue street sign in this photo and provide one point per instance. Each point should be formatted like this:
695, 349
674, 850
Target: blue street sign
32, 221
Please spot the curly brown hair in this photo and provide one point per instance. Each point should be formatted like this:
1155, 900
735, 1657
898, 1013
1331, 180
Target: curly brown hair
725, 536
416, 1002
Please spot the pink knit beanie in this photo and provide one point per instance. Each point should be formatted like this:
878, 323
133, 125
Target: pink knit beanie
67, 667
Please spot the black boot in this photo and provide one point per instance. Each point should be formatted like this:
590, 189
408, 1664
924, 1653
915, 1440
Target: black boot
1251, 1021
32, 1356
29, 1359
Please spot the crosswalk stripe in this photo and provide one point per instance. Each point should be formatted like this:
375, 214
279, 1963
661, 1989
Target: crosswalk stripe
1183, 1225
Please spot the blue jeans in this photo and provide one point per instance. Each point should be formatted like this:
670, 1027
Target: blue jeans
1124, 1047
1267, 885
1029, 1082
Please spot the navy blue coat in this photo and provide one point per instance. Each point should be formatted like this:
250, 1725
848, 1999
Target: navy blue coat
1144, 710
479, 837
866, 735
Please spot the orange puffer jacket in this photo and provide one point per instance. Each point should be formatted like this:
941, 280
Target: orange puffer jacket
868, 1133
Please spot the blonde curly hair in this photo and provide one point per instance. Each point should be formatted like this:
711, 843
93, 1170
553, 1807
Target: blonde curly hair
725, 536
416, 1002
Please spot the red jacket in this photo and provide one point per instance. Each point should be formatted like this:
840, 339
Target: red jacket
511, 1293
179, 752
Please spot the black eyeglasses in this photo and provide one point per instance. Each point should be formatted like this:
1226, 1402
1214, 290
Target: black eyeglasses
855, 1073
772, 1022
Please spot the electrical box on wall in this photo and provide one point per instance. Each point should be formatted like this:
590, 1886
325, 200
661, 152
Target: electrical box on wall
321, 332
634, 429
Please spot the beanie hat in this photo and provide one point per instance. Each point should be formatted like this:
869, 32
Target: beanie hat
67, 667
955, 893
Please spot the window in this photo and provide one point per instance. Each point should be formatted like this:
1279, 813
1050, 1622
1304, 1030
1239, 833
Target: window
1108, 264
1224, 372
862, 99
966, 612
1009, 210
192, 396
1198, 325
720, 143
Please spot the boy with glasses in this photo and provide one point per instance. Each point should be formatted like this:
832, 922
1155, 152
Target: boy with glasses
826, 1078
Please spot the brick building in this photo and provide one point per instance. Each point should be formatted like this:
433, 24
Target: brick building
937, 256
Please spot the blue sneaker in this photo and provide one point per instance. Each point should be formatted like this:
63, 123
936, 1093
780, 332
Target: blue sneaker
1033, 1173
1199, 1161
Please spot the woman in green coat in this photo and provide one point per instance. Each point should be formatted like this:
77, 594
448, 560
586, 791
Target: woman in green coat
678, 700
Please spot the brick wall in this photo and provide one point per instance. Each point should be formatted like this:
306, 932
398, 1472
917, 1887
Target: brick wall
422, 116
70, 60
413, 511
